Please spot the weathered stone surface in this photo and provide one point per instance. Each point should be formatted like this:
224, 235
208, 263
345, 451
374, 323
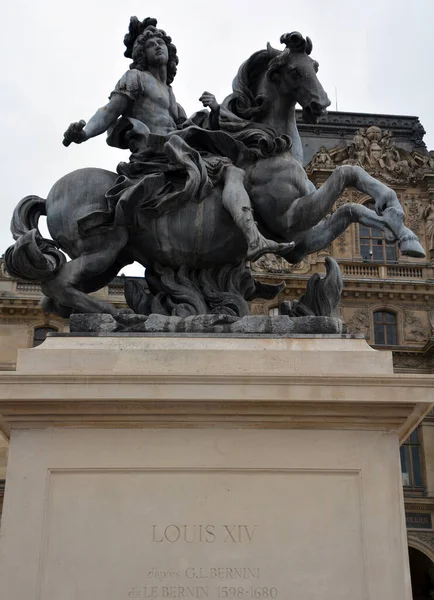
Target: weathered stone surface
251, 324
160, 323
92, 323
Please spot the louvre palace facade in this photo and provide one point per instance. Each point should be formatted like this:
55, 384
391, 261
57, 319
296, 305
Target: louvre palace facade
387, 297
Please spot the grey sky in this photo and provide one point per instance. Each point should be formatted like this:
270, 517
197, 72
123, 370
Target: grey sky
61, 59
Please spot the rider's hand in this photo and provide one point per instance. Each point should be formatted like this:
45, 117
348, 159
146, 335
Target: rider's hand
209, 100
75, 133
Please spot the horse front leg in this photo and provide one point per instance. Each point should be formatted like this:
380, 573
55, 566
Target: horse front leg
307, 211
327, 230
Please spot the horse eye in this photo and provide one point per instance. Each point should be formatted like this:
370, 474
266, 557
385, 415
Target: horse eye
295, 72
316, 66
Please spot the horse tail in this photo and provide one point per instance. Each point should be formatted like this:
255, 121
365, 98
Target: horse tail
32, 257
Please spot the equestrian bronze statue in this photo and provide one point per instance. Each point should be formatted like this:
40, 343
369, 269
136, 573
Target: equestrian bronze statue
199, 197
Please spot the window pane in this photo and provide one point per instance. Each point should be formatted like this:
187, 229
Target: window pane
417, 475
390, 317
391, 335
374, 239
391, 252
377, 253
414, 437
364, 251
379, 334
405, 466
378, 316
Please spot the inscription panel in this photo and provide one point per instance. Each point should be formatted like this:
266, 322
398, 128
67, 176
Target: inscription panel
206, 534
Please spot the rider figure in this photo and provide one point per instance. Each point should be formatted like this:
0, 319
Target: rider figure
142, 114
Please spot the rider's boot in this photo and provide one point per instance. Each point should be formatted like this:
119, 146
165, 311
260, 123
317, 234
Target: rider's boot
237, 203
257, 244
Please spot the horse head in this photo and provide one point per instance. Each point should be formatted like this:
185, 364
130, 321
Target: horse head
294, 73
272, 81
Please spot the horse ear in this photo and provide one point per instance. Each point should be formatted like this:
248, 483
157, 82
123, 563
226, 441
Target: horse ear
272, 51
296, 42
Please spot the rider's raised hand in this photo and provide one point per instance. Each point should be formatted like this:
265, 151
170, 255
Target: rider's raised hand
75, 133
209, 100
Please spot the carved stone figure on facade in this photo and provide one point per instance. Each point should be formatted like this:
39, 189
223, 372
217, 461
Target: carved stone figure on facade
361, 149
182, 205
428, 216
322, 159
375, 150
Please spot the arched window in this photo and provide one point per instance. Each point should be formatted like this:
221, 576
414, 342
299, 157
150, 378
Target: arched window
385, 328
373, 247
40, 333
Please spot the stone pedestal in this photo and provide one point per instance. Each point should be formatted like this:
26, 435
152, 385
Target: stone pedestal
212, 468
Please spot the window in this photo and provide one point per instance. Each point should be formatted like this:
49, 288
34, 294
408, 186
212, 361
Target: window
273, 312
373, 247
40, 333
411, 461
385, 328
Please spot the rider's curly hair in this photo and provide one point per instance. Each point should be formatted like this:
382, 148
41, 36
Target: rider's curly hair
138, 33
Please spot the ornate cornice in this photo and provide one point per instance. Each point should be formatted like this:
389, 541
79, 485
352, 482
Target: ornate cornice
335, 123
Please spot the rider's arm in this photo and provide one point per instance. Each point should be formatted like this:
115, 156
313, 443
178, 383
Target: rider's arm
99, 123
106, 116
209, 100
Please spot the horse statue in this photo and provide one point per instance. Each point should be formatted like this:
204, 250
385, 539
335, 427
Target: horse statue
183, 206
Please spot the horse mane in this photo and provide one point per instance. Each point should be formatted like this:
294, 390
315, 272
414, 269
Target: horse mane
246, 104
244, 101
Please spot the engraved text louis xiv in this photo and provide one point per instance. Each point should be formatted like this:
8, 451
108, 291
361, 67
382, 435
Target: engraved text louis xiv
191, 534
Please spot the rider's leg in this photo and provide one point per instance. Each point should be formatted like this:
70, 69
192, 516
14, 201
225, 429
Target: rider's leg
237, 202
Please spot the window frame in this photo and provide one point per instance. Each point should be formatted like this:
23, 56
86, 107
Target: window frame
385, 323
413, 442
375, 235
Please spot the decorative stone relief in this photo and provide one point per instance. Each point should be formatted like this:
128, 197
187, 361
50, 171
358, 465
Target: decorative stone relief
425, 538
360, 322
342, 242
414, 329
375, 150
405, 360
414, 212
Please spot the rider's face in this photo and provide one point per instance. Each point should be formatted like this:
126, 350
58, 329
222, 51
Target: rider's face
156, 51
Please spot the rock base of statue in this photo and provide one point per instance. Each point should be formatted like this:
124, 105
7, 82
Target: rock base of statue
210, 467
205, 324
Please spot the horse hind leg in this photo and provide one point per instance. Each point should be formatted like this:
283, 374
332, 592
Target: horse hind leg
66, 288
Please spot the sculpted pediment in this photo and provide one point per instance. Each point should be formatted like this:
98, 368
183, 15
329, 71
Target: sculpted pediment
375, 150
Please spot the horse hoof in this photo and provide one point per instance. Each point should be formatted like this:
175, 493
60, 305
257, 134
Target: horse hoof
411, 247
